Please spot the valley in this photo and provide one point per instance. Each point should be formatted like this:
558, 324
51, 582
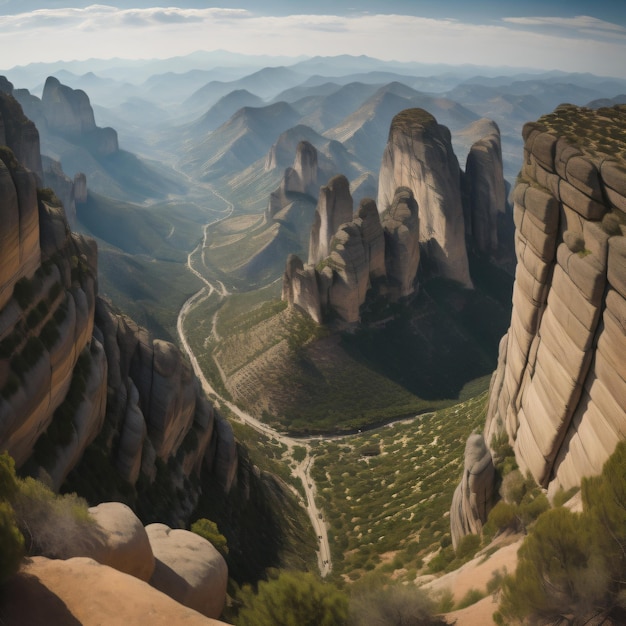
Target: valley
364, 318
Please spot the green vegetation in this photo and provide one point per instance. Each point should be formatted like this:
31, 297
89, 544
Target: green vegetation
595, 132
380, 604
209, 531
572, 567
386, 513
292, 598
33, 519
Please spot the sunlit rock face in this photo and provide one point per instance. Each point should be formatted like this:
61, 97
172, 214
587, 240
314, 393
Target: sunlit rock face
560, 389
419, 156
484, 189
334, 208
474, 495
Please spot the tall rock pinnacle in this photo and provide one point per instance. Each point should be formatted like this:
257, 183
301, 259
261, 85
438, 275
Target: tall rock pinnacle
419, 156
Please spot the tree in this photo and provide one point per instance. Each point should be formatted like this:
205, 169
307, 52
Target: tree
293, 599
571, 565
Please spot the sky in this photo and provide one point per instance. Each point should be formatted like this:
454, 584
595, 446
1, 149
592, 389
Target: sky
569, 35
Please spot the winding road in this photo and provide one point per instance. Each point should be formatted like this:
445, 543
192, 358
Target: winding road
303, 468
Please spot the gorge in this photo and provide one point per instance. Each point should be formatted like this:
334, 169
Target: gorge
392, 317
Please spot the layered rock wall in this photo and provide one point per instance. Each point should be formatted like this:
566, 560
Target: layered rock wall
68, 364
559, 389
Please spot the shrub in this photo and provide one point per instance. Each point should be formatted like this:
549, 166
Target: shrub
299, 453
471, 597
513, 487
11, 543
467, 546
292, 598
394, 605
54, 526
209, 530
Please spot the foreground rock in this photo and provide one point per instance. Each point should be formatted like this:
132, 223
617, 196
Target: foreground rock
189, 569
80, 591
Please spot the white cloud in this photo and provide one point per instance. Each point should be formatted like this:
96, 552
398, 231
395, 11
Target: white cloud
104, 31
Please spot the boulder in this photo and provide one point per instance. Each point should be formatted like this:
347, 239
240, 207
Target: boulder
80, 591
188, 569
473, 497
125, 546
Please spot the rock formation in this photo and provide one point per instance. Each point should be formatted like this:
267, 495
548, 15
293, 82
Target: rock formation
188, 569
484, 189
82, 591
473, 497
335, 285
334, 208
419, 156
559, 391
402, 250
69, 365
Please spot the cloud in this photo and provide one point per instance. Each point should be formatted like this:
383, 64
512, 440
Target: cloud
581, 25
103, 31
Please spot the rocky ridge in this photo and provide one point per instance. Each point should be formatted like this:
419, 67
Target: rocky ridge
71, 369
559, 391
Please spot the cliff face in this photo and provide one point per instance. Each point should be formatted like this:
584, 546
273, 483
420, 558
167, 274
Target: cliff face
484, 190
559, 391
71, 370
419, 156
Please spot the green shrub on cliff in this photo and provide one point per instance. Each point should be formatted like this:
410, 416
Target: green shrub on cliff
572, 566
11, 539
209, 530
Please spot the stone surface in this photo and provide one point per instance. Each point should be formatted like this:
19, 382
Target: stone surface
484, 190
473, 497
334, 208
125, 545
188, 569
419, 156
402, 250
81, 591
559, 391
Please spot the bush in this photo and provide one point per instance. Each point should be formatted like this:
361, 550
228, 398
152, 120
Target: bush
394, 605
209, 530
471, 597
292, 598
11, 543
572, 565
467, 547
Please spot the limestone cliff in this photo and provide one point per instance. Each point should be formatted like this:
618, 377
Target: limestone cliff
419, 156
559, 391
71, 370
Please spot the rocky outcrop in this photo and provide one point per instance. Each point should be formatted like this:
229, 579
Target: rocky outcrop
484, 189
419, 156
335, 288
334, 208
82, 591
125, 545
188, 569
473, 497
559, 389
402, 250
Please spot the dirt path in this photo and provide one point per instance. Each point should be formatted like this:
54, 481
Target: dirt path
303, 468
